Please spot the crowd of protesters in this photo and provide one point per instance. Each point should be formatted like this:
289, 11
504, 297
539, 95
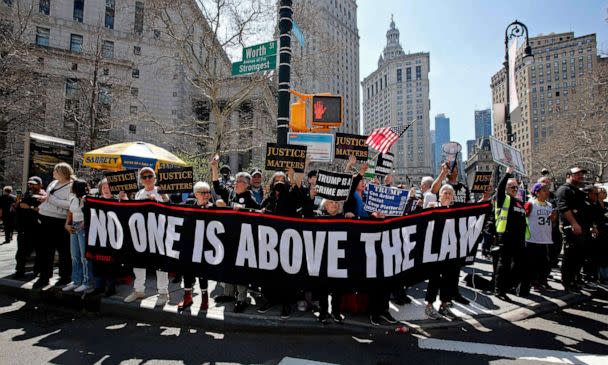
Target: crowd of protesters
524, 236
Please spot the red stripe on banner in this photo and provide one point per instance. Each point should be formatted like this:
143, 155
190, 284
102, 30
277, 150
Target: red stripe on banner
290, 219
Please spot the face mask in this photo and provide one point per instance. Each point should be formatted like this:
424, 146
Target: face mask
280, 187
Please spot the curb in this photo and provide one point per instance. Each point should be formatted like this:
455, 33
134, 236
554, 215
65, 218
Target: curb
248, 322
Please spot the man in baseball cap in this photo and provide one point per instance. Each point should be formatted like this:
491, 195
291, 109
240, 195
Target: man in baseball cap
256, 186
576, 170
34, 180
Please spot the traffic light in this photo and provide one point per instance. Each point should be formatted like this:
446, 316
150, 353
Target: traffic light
297, 123
326, 110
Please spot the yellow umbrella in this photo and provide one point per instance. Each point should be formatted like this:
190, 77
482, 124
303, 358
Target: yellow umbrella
131, 155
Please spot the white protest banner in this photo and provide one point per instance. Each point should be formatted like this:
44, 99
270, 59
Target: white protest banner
333, 185
384, 199
506, 155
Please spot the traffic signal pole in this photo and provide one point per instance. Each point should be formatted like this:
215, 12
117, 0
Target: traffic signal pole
285, 24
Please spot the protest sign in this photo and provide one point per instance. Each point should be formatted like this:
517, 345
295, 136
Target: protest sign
384, 164
333, 185
506, 155
384, 199
283, 157
371, 168
262, 249
122, 181
176, 180
483, 179
351, 145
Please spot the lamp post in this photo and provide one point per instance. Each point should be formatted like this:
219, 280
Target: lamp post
514, 30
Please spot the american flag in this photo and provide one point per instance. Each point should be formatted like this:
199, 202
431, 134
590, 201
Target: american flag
382, 139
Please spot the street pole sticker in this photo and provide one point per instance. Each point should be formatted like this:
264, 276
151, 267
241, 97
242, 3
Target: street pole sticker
281, 158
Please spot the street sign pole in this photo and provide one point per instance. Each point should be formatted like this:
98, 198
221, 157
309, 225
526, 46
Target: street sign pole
285, 23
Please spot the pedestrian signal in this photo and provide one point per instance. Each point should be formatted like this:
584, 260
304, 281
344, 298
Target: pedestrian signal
327, 110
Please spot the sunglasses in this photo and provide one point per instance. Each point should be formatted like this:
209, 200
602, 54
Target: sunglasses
513, 187
242, 181
146, 177
204, 192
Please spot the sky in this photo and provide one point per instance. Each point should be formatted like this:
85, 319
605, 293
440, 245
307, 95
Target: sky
465, 39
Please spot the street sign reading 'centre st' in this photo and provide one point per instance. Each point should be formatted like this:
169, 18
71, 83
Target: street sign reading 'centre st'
261, 57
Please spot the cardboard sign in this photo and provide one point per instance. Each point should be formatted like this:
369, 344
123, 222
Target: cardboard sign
506, 155
351, 145
333, 185
122, 181
483, 179
283, 157
384, 165
175, 180
387, 200
320, 146
371, 169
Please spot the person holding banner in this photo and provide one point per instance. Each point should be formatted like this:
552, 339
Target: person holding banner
150, 191
284, 198
330, 209
462, 195
441, 281
239, 197
379, 298
511, 233
202, 194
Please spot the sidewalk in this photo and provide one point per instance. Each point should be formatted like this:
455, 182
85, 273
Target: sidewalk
483, 306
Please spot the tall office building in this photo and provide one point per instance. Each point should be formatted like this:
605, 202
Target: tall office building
470, 147
395, 94
560, 62
329, 59
110, 73
442, 136
483, 123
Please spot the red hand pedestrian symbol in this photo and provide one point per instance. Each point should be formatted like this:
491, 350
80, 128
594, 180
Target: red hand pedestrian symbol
319, 110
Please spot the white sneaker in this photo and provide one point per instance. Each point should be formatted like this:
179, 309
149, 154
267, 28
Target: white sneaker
162, 299
82, 288
134, 296
71, 286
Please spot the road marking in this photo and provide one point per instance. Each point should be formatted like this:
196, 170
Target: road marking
519, 353
295, 361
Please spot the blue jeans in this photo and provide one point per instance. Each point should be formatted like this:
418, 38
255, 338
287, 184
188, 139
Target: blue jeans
82, 269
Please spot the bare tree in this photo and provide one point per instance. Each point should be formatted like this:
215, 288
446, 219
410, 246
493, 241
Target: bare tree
581, 135
229, 114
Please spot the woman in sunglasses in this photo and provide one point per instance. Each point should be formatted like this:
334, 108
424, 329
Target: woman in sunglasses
149, 192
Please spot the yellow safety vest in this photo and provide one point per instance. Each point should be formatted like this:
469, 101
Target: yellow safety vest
502, 214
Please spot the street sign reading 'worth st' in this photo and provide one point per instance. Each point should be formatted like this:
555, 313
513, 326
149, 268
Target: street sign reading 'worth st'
260, 57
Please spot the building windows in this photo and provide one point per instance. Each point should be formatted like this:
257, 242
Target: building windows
134, 91
137, 50
105, 96
44, 6
138, 26
399, 78
71, 89
107, 49
72, 104
110, 9
76, 43
133, 109
135, 73
42, 36
408, 74
156, 34
418, 72
132, 129
79, 10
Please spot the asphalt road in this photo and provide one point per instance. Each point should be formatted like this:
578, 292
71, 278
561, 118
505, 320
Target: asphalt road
31, 334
